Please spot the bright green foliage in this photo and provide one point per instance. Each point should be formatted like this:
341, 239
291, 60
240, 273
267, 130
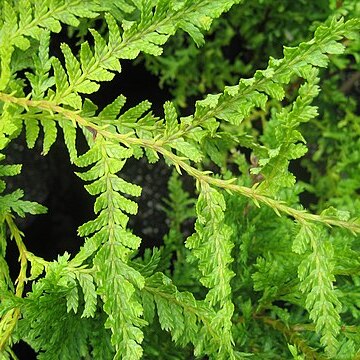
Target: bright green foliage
212, 237
109, 233
24, 20
285, 140
211, 246
194, 322
316, 276
258, 275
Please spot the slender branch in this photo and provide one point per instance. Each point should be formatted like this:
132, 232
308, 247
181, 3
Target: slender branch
311, 327
192, 309
292, 336
9, 320
158, 145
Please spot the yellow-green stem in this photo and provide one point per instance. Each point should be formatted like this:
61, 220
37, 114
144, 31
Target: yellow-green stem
9, 320
159, 146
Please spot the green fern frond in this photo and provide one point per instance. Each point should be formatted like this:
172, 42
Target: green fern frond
147, 35
237, 101
211, 245
116, 244
116, 281
168, 299
285, 142
40, 80
316, 273
47, 335
86, 282
109, 158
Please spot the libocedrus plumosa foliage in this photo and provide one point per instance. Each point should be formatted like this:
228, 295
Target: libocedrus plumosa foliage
260, 275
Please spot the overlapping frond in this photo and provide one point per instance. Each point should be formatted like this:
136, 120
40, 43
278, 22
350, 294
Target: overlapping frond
237, 101
316, 273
